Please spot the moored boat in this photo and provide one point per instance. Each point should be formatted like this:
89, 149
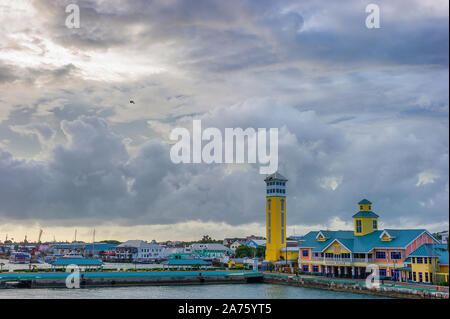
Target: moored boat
20, 258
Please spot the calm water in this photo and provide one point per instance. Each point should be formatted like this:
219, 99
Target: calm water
214, 291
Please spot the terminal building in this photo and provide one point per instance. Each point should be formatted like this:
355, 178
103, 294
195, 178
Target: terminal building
412, 255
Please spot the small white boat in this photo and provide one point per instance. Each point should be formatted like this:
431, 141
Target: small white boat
72, 255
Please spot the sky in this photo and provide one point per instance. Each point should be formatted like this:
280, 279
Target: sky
361, 113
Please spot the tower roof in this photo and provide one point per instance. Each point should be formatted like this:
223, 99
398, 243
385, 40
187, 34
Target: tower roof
275, 176
365, 214
364, 201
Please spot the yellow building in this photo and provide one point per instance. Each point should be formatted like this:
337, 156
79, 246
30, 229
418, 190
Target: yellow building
429, 264
275, 216
353, 253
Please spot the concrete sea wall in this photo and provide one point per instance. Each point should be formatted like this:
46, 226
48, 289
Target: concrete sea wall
357, 287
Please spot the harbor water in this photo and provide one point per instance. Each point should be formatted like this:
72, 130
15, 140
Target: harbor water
209, 291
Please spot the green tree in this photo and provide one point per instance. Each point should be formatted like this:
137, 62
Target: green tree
245, 251
111, 241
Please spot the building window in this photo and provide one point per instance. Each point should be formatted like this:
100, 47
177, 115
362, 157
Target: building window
409, 275
375, 224
282, 204
268, 203
358, 226
269, 221
270, 236
420, 277
305, 268
361, 207
370, 207
426, 277
382, 272
380, 255
429, 260
396, 255
305, 253
414, 276
315, 268
282, 220
425, 260
282, 236
413, 260
419, 260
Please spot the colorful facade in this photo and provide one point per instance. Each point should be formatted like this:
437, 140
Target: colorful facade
275, 216
428, 264
351, 253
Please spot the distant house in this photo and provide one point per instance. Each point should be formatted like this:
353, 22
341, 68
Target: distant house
236, 244
210, 250
236, 262
255, 243
253, 237
228, 241
138, 250
444, 236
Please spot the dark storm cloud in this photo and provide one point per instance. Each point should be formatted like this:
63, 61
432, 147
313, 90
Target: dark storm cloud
216, 36
94, 178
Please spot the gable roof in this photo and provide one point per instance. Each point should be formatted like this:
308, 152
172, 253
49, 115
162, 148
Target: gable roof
347, 243
432, 250
361, 244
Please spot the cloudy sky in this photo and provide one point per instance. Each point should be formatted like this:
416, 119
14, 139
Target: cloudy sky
361, 113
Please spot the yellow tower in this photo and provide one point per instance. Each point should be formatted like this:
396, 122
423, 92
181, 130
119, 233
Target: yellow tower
365, 221
275, 215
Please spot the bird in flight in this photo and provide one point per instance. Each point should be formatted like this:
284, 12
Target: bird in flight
132, 102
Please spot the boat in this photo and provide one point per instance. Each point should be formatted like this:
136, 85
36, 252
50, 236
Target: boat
51, 258
72, 255
20, 258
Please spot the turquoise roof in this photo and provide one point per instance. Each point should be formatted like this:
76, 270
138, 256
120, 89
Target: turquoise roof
432, 250
77, 261
182, 262
365, 214
361, 244
364, 201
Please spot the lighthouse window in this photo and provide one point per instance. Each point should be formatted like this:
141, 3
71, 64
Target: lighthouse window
282, 236
268, 202
270, 218
282, 220
282, 204
270, 236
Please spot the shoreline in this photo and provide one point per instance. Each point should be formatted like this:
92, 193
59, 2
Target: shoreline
38, 280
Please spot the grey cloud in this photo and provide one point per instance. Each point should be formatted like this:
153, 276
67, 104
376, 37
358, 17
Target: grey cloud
94, 178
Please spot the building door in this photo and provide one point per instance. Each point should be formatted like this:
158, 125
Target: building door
396, 275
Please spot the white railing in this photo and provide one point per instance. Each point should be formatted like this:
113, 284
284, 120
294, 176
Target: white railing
342, 260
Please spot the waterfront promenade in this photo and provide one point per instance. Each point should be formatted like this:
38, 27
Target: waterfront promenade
142, 278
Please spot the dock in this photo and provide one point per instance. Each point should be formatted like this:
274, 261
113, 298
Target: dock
109, 279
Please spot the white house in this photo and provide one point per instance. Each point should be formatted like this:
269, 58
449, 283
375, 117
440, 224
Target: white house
139, 250
236, 244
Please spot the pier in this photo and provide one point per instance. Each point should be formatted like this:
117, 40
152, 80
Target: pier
109, 279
